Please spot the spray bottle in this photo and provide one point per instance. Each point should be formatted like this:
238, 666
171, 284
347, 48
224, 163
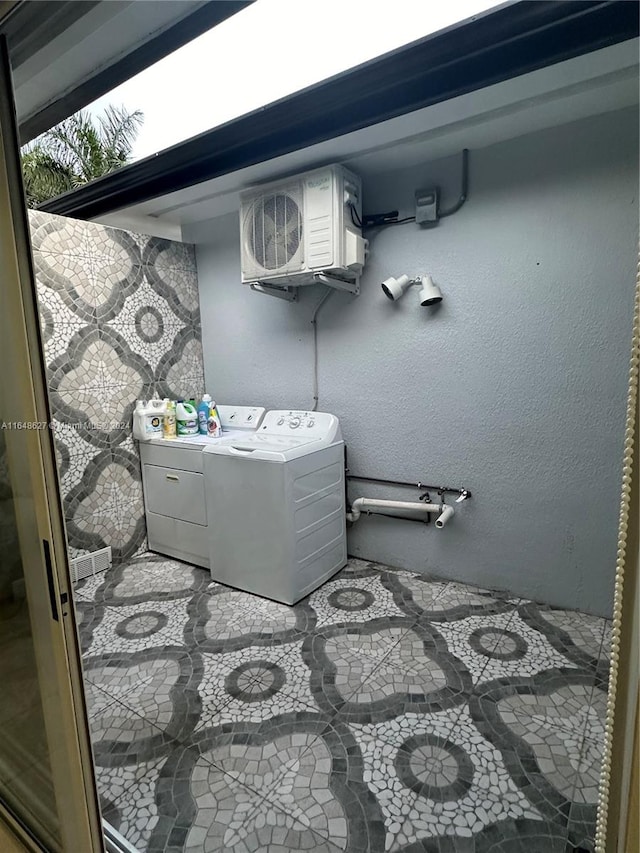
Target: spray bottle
214, 425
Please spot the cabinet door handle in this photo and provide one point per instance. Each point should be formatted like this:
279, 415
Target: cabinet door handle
172, 477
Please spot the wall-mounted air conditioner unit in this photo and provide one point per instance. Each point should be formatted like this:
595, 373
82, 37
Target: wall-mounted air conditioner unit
303, 230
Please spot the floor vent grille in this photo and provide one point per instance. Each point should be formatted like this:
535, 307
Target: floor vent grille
90, 564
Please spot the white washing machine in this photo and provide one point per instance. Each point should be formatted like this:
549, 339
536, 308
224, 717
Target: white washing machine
276, 503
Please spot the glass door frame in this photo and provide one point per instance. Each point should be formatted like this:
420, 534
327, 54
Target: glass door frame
39, 518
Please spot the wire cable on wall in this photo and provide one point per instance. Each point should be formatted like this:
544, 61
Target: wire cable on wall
377, 220
382, 220
623, 524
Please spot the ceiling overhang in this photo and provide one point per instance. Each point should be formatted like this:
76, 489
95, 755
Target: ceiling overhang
67, 53
605, 81
511, 40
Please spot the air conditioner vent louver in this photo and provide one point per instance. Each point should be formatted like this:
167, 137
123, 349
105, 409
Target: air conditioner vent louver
300, 230
275, 230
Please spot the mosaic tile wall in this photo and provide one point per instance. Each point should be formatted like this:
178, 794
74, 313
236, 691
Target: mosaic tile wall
121, 321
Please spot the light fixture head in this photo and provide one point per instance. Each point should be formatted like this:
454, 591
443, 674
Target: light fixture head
430, 293
394, 288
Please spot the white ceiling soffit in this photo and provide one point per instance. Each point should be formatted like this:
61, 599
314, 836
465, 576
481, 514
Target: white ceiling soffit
57, 48
597, 82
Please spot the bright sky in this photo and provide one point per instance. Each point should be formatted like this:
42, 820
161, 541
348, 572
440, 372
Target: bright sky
267, 51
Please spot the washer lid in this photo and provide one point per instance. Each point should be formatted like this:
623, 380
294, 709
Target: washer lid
199, 439
270, 448
283, 436
275, 443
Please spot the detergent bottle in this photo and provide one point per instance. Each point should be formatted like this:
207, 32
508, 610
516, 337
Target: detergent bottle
138, 421
186, 419
203, 413
169, 423
147, 419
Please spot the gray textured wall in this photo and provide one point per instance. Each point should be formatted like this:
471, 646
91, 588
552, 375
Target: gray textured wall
515, 387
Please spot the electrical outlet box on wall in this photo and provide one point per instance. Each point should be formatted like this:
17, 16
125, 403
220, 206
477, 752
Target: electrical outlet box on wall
427, 207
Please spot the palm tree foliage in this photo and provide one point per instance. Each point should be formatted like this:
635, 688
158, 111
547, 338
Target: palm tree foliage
78, 150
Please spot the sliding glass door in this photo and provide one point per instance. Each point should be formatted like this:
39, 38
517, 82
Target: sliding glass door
47, 790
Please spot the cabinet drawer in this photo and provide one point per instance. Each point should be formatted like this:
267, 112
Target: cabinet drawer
175, 493
170, 455
179, 539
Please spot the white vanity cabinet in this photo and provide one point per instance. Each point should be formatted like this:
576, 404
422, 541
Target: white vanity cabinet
175, 502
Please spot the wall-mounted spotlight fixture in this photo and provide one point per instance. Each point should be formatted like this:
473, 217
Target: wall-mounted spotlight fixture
430, 293
395, 288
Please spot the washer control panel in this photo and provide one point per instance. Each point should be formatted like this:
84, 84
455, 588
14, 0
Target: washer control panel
308, 425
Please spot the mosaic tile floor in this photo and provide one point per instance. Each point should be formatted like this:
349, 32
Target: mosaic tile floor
385, 712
